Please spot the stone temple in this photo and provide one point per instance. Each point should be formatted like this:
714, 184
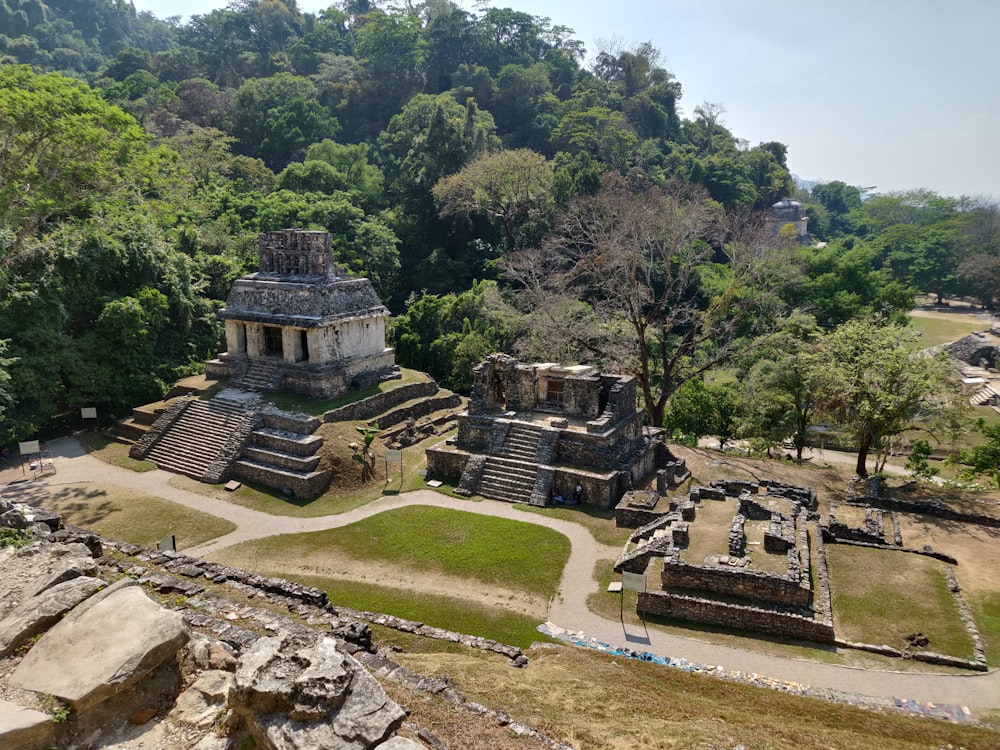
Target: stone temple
534, 431
302, 324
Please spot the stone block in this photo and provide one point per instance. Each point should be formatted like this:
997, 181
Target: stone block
24, 728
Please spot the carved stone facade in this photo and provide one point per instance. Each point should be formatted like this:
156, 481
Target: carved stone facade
539, 431
301, 324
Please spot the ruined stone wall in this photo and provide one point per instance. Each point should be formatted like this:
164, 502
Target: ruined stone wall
357, 337
931, 509
372, 406
474, 433
581, 397
734, 616
756, 585
607, 450
445, 462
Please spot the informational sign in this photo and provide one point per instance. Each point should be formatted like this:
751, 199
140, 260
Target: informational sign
88, 412
167, 544
393, 456
29, 447
633, 581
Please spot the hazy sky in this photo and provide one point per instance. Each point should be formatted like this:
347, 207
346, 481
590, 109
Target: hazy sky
891, 94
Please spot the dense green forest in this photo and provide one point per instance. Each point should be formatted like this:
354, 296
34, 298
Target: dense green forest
504, 189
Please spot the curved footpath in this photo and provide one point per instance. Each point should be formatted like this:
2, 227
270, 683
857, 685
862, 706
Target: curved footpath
568, 609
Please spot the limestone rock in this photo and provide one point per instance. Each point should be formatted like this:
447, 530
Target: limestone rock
298, 692
101, 648
401, 743
34, 615
65, 569
23, 728
13, 519
202, 703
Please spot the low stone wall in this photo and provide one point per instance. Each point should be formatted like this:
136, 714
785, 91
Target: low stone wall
307, 486
417, 409
756, 585
445, 462
756, 619
372, 406
930, 509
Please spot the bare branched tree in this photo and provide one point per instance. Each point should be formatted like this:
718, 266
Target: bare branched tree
655, 282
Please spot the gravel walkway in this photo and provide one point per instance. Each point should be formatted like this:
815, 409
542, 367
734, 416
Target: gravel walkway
568, 610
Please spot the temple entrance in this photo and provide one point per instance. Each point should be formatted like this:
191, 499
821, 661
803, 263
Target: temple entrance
304, 346
272, 342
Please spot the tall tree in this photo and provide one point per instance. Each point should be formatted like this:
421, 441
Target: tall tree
511, 187
62, 146
876, 382
627, 280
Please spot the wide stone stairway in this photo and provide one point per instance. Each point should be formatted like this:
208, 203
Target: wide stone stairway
512, 473
198, 437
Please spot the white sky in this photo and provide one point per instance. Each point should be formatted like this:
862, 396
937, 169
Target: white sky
891, 94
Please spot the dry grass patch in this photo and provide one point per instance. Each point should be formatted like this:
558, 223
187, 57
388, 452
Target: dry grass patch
709, 532
593, 701
131, 516
881, 596
760, 558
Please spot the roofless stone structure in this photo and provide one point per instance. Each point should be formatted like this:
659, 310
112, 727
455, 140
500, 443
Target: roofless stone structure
303, 324
536, 432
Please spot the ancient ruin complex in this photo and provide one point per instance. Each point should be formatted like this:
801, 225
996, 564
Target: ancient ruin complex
301, 324
534, 432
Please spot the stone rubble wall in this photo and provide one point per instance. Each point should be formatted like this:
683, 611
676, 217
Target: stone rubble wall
417, 410
738, 617
929, 509
755, 585
370, 407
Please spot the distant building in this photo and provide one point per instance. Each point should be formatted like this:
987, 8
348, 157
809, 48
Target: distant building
787, 211
303, 324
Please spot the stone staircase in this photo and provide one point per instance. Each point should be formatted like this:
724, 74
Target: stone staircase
511, 474
199, 437
283, 453
261, 374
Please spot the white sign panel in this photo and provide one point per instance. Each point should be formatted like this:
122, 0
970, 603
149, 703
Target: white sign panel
633, 581
28, 447
391, 455
88, 412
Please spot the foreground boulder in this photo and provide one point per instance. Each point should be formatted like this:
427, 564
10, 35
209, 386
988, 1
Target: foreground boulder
295, 692
37, 613
23, 728
103, 646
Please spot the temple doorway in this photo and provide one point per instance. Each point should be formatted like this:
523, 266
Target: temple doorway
272, 342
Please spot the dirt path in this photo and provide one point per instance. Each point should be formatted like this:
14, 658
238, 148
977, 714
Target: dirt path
569, 608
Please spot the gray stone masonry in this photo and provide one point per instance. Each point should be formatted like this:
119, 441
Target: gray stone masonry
379, 403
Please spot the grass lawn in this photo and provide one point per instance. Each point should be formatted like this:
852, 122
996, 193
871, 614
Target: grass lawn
112, 452
598, 521
986, 612
490, 551
131, 516
439, 611
909, 594
945, 328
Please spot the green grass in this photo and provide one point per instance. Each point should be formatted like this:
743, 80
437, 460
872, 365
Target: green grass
986, 612
438, 611
907, 594
598, 521
935, 331
110, 451
131, 516
295, 402
493, 551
